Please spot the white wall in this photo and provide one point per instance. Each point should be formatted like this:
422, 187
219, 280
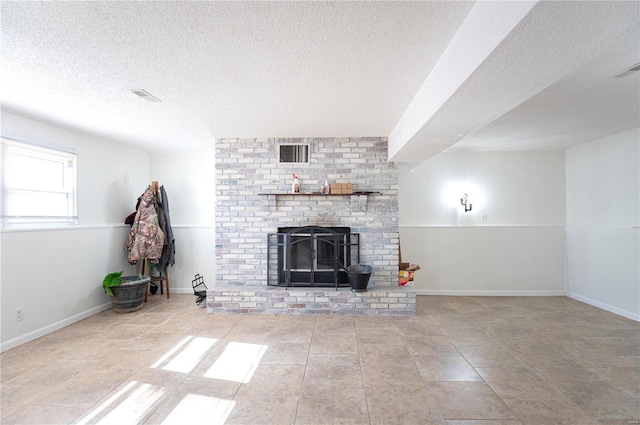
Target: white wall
519, 249
189, 179
603, 218
56, 275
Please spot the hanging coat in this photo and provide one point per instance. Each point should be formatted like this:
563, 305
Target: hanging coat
145, 237
169, 249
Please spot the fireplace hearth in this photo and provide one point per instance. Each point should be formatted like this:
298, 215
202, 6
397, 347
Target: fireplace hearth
311, 256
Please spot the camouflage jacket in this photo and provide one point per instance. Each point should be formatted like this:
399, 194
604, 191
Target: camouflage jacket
145, 237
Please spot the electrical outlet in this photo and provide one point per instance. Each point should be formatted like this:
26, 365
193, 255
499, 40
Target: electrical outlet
484, 218
19, 314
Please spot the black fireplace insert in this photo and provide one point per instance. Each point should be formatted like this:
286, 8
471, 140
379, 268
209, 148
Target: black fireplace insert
311, 256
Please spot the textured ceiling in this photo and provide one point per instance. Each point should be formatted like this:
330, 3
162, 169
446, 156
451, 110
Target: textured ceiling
313, 69
222, 69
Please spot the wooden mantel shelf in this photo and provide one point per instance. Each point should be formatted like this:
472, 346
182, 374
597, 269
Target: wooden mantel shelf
358, 199
320, 194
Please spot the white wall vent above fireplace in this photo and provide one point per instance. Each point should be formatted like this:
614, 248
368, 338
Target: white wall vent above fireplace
294, 153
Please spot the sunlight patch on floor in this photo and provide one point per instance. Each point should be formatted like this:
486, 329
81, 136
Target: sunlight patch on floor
131, 410
200, 409
170, 352
134, 407
107, 403
237, 363
187, 359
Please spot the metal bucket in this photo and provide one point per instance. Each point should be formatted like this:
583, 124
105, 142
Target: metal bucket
359, 275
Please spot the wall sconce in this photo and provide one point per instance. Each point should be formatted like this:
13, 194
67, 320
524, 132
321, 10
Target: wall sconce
465, 202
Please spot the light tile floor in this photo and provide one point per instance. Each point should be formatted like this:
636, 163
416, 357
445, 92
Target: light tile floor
460, 361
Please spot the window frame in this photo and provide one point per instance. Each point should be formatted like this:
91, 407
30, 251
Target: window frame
10, 147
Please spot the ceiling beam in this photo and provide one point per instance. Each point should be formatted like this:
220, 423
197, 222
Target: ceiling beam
486, 26
506, 67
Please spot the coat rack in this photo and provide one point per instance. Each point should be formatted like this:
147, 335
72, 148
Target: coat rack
146, 263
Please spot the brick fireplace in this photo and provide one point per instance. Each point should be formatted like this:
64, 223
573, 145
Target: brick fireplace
248, 177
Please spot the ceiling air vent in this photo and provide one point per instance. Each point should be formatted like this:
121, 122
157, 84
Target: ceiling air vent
145, 95
629, 71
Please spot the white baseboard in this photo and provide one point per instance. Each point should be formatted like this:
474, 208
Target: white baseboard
23, 339
603, 306
490, 293
181, 290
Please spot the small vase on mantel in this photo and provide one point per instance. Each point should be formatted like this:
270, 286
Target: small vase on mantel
295, 187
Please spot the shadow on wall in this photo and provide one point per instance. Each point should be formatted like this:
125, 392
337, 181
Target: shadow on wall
119, 201
117, 255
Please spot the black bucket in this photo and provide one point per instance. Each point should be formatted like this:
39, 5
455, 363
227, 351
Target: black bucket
359, 275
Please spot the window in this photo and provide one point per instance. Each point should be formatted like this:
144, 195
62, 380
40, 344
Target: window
38, 186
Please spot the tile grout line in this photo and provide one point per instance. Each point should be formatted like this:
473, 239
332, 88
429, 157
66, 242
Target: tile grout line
364, 387
304, 375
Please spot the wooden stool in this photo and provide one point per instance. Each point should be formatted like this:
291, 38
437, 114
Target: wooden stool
163, 278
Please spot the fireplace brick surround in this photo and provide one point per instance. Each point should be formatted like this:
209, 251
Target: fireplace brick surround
379, 301
246, 169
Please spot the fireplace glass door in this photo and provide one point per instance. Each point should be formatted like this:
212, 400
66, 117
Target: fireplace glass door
315, 253
314, 256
